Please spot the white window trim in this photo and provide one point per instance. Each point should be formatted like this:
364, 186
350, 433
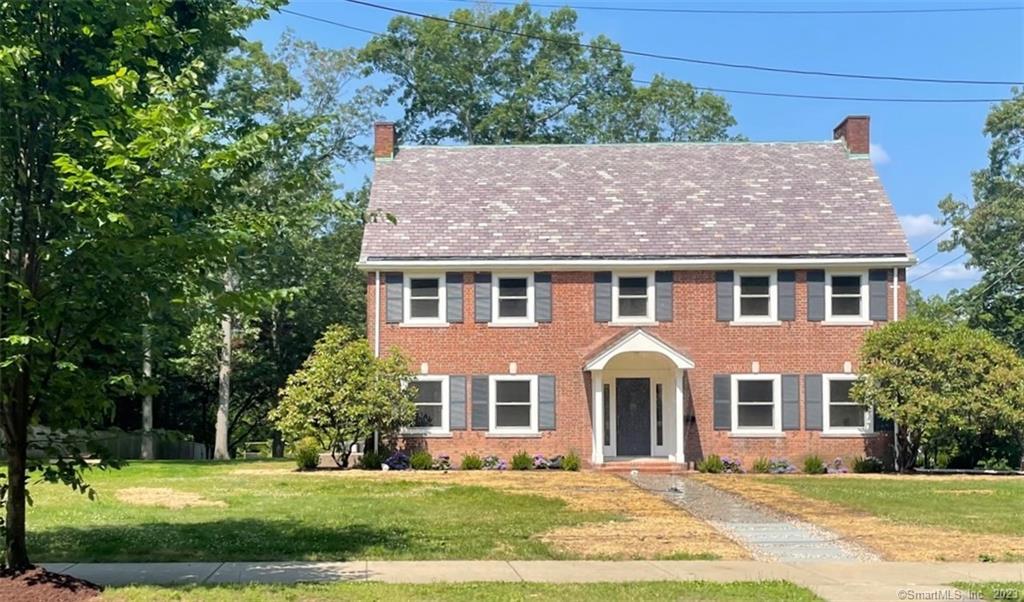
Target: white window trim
445, 427
442, 301
862, 318
776, 428
492, 405
826, 405
496, 319
646, 319
773, 298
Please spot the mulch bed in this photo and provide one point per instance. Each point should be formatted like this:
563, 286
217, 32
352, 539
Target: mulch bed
40, 584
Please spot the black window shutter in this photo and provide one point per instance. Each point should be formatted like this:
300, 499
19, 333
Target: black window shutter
546, 402
481, 403
663, 283
453, 291
790, 402
878, 306
723, 296
542, 297
602, 296
723, 402
787, 295
813, 400
457, 403
482, 297
393, 288
815, 295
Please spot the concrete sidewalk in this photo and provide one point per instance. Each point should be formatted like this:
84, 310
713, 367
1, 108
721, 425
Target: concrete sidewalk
831, 580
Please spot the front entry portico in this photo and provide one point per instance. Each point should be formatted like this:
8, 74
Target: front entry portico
637, 393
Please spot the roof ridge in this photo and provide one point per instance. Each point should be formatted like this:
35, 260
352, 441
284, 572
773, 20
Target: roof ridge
616, 144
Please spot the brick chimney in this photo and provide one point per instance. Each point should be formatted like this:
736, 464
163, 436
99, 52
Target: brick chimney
383, 140
855, 131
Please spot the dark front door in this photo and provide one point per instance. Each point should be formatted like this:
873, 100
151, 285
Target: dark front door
633, 416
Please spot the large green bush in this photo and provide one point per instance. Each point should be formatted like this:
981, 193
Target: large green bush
307, 453
571, 461
421, 460
813, 464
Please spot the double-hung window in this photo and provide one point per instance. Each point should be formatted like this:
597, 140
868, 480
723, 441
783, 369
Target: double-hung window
431, 404
633, 298
846, 297
841, 413
424, 299
755, 297
513, 299
514, 404
756, 403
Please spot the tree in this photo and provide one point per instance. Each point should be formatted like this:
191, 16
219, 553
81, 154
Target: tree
935, 308
992, 228
941, 384
342, 394
106, 175
480, 86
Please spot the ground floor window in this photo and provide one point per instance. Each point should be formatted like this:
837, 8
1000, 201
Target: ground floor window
842, 413
514, 403
755, 406
431, 404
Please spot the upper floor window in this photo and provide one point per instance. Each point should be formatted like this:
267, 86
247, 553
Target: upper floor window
424, 299
633, 298
755, 297
846, 297
431, 404
841, 412
513, 299
514, 404
756, 403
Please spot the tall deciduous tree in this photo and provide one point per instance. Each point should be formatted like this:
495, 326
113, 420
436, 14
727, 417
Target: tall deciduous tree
991, 229
107, 171
482, 86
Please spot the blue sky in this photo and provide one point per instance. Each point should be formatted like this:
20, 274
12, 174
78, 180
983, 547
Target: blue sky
922, 151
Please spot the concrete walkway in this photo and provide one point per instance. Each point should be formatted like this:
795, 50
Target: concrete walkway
767, 534
837, 581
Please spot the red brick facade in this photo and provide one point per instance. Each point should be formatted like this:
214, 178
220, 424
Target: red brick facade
562, 346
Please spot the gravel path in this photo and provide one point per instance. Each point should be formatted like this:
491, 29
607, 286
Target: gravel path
767, 534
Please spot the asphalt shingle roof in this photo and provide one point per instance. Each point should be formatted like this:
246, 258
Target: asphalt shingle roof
630, 201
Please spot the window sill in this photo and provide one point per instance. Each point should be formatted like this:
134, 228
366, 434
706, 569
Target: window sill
424, 325
850, 435
422, 435
638, 322
755, 323
765, 435
512, 324
500, 435
847, 323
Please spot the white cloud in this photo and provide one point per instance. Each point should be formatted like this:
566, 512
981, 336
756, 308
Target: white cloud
956, 272
922, 225
878, 154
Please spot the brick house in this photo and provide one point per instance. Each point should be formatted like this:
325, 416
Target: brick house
655, 301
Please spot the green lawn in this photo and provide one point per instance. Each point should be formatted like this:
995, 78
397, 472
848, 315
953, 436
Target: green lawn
281, 515
602, 592
973, 505
1013, 590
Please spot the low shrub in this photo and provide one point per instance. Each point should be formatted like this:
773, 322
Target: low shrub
421, 460
307, 453
712, 464
495, 463
472, 462
442, 462
761, 465
571, 461
864, 465
813, 464
998, 464
397, 461
372, 460
522, 461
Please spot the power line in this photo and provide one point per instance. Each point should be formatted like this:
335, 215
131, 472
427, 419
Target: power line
715, 11
1003, 276
925, 275
682, 59
719, 90
933, 239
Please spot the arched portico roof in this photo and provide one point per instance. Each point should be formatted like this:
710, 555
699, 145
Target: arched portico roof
637, 341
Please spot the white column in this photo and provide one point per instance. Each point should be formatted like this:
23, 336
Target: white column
596, 382
680, 456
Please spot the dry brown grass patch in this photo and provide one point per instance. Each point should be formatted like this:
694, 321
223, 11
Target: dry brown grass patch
890, 539
166, 498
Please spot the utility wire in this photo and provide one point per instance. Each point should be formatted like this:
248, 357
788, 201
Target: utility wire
933, 239
923, 276
1002, 277
716, 11
719, 90
682, 59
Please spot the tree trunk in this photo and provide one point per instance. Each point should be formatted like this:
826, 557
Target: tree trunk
15, 550
147, 400
277, 446
220, 446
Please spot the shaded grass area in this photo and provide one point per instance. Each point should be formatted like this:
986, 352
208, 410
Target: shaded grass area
994, 590
286, 516
569, 592
990, 505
